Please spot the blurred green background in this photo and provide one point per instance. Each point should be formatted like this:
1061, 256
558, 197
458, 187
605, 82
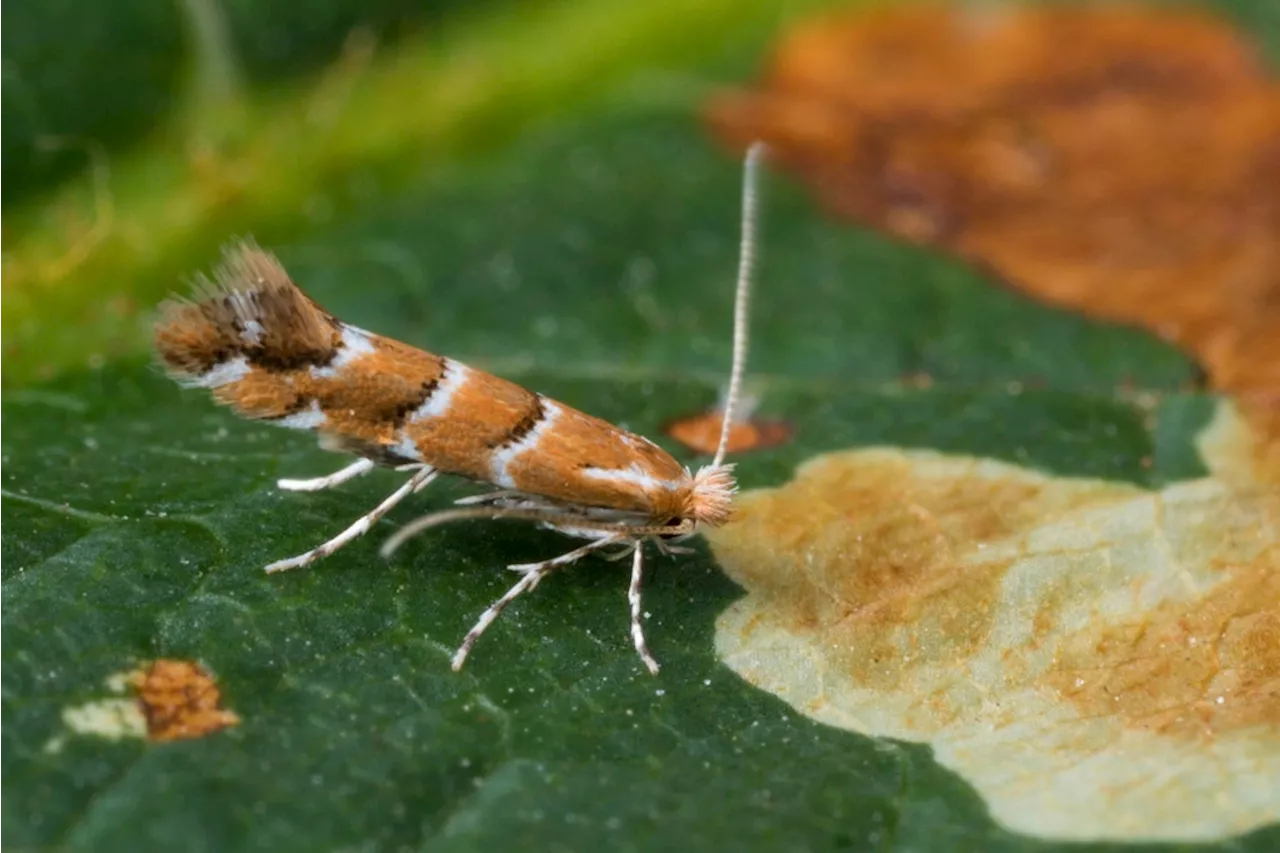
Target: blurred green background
139, 135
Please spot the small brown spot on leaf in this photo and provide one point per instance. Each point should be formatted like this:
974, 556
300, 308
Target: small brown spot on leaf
1134, 176
179, 699
701, 433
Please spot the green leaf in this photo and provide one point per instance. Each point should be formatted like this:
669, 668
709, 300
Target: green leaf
591, 260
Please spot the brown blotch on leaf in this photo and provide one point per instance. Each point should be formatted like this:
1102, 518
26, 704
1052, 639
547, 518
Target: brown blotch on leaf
1122, 162
180, 700
1185, 671
701, 432
924, 590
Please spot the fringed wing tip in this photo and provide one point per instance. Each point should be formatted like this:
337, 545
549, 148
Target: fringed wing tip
249, 306
181, 338
711, 501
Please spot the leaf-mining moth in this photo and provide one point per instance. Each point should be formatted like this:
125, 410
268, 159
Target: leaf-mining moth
270, 353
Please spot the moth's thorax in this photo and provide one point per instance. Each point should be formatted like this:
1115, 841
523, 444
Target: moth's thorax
270, 353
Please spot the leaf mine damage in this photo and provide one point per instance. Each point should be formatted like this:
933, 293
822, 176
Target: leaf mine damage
172, 700
180, 700
1134, 177
1098, 660
701, 432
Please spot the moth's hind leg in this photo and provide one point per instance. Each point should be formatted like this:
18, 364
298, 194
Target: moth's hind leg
532, 575
421, 477
315, 484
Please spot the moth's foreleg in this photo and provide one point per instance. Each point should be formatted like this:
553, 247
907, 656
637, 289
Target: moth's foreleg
633, 597
668, 550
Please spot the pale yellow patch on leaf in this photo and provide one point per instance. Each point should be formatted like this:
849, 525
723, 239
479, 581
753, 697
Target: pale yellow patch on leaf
1096, 659
112, 719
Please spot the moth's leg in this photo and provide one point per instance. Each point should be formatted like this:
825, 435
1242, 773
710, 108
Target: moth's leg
315, 484
404, 534
565, 559
633, 596
571, 521
361, 526
669, 550
532, 573
489, 497
618, 555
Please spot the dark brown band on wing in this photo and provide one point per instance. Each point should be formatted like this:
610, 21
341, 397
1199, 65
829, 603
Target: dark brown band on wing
298, 404
425, 392
529, 420
283, 362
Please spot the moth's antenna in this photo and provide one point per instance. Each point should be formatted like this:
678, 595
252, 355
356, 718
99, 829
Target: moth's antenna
746, 261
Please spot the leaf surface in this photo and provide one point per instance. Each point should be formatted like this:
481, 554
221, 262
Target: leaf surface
591, 260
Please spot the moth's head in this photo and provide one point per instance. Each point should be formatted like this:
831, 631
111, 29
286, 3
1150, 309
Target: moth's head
711, 500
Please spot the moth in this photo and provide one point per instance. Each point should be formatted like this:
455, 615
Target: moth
269, 352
